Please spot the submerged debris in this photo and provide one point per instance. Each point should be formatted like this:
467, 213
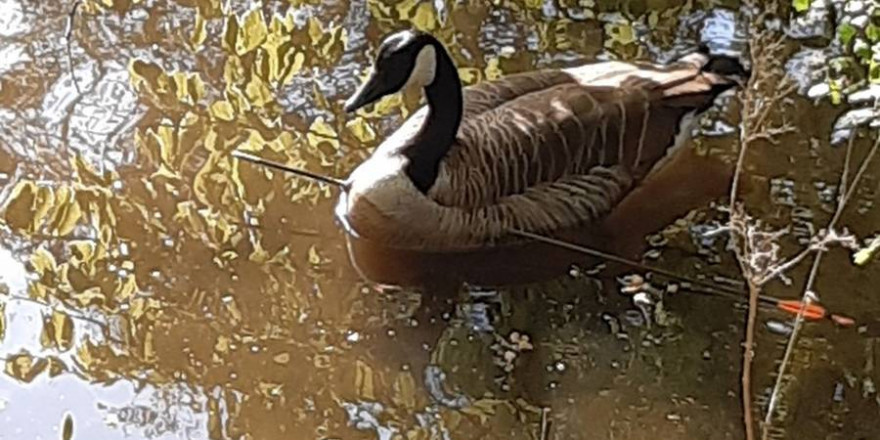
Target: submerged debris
614, 326
364, 416
508, 350
838, 392
778, 327
645, 304
635, 318
434, 383
868, 387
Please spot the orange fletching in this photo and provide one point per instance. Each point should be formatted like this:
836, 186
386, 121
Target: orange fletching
812, 311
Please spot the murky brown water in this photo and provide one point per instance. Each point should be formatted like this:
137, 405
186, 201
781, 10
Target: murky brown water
155, 288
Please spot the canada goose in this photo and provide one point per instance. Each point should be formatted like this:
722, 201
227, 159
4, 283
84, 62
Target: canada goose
537, 151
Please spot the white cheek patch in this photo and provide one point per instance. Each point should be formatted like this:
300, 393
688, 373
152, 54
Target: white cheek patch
424, 69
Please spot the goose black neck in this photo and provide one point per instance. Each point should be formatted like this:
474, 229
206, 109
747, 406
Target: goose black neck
440, 126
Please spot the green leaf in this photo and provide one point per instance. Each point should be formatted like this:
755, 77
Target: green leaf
866, 254
874, 72
836, 95
801, 5
846, 32
873, 33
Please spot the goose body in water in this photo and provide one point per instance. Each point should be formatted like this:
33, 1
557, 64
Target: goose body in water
540, 151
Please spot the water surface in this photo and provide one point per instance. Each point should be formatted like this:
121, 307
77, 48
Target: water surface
155, 288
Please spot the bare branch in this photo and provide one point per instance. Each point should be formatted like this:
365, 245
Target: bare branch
756, 250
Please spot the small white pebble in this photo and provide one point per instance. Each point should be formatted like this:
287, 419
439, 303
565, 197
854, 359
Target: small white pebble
860, 22
353, 337
642, 299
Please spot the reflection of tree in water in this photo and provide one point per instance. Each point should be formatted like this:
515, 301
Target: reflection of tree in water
228, 277
172, 409
232, 279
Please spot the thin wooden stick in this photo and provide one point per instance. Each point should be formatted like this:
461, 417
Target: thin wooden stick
545, 423
618, 259
762, 47
288, 169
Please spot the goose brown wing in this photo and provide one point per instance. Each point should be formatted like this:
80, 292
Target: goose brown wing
567, 151
487, 96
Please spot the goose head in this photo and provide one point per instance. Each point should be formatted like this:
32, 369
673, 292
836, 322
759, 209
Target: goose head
404, 59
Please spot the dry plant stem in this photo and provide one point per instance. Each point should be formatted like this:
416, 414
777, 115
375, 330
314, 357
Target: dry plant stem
746, 377
241, 155
785, 267
765, 48
545, 423
625, 261
808, 294
754, 291
748, 355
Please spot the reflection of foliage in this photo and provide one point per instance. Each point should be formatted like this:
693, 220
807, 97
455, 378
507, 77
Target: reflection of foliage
25, 367
855, 51
212, 272
170, 410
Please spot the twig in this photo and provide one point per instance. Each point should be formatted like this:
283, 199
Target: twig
852, 188
545, 423
844, 177
784, 267
299, 172
748, 355
617, 259
809, 294
68, 36
821, 241
764, 50
746, 376
689, 284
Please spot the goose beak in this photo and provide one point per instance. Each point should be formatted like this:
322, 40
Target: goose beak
369, 92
